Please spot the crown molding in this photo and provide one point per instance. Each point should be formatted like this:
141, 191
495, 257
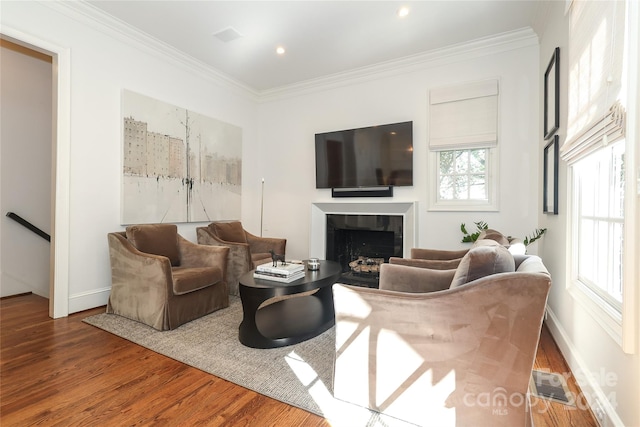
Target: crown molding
87, 14
91, 16
502, 42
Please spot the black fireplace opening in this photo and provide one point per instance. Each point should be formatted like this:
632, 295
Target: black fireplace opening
361, 243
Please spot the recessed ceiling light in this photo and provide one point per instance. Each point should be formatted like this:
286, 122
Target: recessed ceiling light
280, 50
403, 11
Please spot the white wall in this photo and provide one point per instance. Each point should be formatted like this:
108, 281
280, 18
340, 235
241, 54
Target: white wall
288, 122
277, 132
103, 62
278, 146
584, 343
26, 132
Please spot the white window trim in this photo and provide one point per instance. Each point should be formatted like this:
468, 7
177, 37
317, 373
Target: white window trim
607, 317
622, 327
631, 274
493, 179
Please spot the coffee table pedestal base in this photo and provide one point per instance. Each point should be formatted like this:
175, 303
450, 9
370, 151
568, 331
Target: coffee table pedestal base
287, 322
305, 311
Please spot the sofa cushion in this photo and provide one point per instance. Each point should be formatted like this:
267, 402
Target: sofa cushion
156, 239
482, 261
192, 279
229, 231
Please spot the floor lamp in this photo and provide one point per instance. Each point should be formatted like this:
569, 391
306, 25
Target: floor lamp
261, 206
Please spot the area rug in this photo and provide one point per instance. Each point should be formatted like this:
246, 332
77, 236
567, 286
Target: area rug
299, 375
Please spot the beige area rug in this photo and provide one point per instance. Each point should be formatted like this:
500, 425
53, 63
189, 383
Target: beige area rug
299, 375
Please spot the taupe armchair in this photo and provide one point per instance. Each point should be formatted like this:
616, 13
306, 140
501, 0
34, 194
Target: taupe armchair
443, 347
448, 259
246, 251
163, 280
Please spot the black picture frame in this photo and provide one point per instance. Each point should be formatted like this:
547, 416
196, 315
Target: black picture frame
552, 95
550, 177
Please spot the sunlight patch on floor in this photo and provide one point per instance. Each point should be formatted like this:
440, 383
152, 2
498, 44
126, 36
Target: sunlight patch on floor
337, 412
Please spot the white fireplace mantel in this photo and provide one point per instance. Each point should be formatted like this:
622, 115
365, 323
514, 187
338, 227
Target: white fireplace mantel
319, 211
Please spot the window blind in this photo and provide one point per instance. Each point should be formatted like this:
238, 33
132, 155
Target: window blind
608, 129
596, 47
464, 116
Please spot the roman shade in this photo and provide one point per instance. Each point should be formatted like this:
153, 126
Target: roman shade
464, 116
596, 50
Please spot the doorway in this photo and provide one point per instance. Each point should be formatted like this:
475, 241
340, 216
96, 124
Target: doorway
26, 135
59, 160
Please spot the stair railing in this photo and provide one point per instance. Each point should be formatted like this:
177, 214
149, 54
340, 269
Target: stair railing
28, 225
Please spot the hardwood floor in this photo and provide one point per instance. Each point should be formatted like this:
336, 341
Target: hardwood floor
66, 373
552, 414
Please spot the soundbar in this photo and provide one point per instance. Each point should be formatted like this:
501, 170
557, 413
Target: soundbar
385, 191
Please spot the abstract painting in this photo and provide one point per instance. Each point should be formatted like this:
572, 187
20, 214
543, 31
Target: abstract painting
177, 165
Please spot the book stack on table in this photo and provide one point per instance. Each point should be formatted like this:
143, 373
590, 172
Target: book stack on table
281, 273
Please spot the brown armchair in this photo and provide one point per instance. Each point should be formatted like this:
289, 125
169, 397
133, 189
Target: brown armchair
448, 259
443, 347
163, 280
246, 251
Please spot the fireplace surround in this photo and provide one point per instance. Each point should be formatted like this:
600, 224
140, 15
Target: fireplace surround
344, 231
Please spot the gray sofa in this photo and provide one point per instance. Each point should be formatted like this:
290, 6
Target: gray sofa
444, 347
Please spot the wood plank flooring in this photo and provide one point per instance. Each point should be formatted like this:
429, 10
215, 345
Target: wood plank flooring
552, 414
66, 373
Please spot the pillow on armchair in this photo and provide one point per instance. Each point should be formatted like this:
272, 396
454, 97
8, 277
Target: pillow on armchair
156, 239
490, 234
229, 231
481, 261
485, 242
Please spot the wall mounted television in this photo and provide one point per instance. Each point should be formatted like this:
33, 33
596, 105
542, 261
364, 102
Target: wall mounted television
375, 156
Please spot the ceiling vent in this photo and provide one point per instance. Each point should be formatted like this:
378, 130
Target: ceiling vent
227, 34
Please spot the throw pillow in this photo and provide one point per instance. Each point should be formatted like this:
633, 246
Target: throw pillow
482, 261
156, 239
485, 242
229, 231
491, 234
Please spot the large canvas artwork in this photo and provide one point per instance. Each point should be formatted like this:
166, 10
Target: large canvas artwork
178, 166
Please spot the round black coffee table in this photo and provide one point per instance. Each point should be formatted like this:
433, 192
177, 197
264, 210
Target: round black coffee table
291, 320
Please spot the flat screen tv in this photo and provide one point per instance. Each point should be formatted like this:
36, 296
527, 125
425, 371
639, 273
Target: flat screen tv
366, 157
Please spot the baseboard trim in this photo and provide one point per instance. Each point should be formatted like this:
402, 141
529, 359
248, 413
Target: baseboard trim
87, 300
592, 393
16, 295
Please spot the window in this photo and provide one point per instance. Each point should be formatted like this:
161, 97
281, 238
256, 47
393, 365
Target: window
599, 153
598, 218
463, 139
462, 174
464, 179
